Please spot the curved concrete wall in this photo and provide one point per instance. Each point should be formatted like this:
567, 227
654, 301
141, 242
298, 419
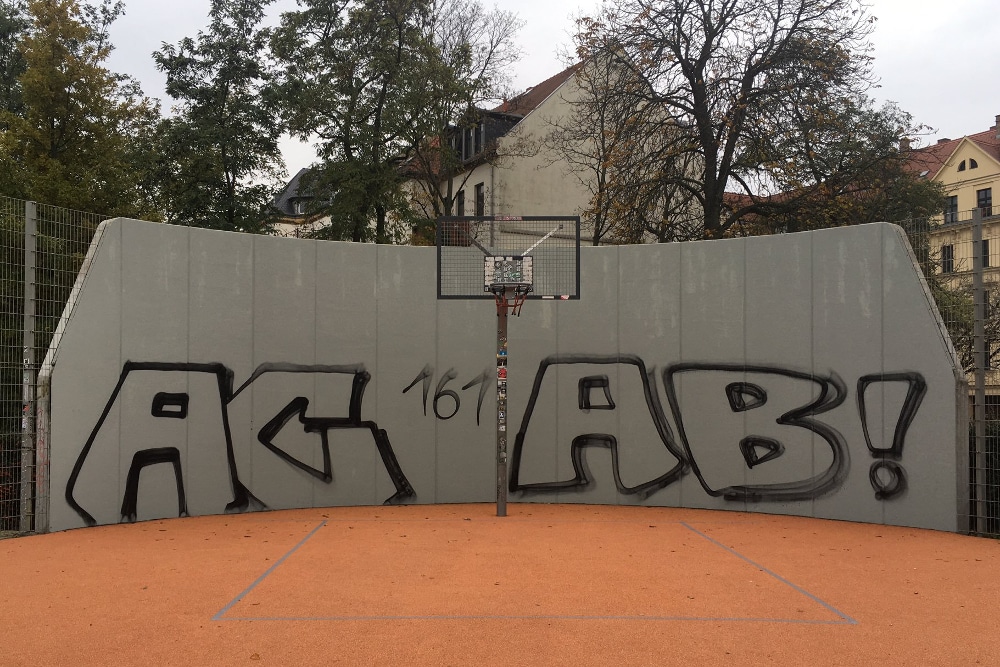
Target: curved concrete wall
202, 372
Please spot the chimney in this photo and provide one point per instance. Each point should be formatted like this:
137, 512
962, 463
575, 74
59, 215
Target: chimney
904, 145
943, 141
996, 125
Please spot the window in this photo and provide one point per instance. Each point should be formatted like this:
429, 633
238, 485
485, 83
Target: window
972, 163
985, 252
460, 202
480, 199
984, 201
299, 207
468, 139
947, 258
951, 210
961, 165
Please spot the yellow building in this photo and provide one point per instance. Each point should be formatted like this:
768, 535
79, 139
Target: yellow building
969, 170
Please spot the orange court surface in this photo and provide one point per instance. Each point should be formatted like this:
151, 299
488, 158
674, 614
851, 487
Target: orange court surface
456, 585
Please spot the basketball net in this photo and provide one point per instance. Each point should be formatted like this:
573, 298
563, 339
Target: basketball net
510, 302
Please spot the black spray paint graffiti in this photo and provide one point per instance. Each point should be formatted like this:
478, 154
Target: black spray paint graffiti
440, 392
176, 406
323, 425
758, 395
886, 463
587, 387
147, 457
756, 449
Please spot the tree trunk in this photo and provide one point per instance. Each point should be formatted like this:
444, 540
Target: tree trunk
380, 215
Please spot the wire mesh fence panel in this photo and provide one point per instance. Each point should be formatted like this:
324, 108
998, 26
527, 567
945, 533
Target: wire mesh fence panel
959, 254
41, 250
64, 237
11, 361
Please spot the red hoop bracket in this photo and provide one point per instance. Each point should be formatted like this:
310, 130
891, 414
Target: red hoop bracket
510, 302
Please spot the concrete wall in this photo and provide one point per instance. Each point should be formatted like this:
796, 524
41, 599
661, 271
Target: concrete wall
205, 371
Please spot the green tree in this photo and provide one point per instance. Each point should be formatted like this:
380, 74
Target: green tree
355, 77
13, 26
477, 49
220, 163
82, 135
850, 166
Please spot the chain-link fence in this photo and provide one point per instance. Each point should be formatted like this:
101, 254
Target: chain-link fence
41, 250
43, 247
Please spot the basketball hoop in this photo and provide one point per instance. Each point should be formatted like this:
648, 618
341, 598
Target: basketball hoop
509, 278
511, 258
510, 299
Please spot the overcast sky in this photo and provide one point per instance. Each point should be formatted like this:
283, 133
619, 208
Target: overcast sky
937, 60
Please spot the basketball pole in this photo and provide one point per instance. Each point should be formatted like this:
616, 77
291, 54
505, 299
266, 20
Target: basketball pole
508, 292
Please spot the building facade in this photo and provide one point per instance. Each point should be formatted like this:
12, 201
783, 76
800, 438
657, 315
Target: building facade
969, 170
507, 167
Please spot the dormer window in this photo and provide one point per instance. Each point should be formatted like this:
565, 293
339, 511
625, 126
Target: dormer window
468, 144
468, 138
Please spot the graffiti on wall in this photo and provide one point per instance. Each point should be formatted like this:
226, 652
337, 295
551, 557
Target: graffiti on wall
745, 432
593, 393
425, 377
886, 475
170, 412
734, 422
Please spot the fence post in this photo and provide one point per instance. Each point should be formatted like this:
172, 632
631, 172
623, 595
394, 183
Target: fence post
979, 358
28, 368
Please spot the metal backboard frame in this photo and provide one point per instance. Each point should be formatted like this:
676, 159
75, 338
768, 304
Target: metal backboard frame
552, 242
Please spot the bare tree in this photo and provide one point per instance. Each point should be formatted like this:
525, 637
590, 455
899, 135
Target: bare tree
477, 49
728, 81
601, 128
604, 142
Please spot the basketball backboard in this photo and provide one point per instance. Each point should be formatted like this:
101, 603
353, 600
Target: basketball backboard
537, 254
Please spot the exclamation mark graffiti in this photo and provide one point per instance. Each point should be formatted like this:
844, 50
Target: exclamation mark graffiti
886, 475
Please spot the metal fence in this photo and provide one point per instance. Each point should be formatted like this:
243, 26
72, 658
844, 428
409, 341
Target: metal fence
959, 254
43, 247
41, 250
